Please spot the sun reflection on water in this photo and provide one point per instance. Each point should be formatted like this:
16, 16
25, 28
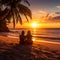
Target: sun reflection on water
33, 39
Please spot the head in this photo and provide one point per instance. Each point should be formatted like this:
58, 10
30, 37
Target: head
22, 32
29, 32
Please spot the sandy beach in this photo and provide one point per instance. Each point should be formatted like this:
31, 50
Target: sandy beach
39, 50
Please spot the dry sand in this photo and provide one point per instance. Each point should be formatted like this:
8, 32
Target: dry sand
39, 50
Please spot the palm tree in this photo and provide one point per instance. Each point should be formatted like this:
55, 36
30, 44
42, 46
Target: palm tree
13, 10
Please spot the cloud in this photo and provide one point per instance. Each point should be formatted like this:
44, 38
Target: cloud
56, 18
52, 19
57, 12
42, 12
58, 7
45, 16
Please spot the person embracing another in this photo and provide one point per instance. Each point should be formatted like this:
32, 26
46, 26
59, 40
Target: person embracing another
29, 38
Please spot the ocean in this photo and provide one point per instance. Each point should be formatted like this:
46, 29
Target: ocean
49, 34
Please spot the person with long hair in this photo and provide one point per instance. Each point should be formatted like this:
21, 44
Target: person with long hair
22, 37
29, 38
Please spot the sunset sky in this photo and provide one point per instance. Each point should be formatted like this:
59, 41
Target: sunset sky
45, 13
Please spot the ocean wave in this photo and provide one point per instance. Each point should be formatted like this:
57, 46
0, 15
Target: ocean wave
45, 37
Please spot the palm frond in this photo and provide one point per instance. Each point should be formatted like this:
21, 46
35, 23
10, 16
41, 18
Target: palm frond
16, 15
20, 20
4, 13
26, 17
26, 2
25, 10
19, 17
13, 18
9, 16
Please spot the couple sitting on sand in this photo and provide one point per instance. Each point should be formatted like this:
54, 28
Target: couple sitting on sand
26, 39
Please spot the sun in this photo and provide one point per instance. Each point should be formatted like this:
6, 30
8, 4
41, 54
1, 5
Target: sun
34, 25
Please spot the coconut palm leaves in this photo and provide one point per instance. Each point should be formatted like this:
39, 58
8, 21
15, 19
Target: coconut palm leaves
14, 10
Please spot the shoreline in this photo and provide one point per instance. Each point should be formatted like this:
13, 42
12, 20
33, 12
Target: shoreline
50, 44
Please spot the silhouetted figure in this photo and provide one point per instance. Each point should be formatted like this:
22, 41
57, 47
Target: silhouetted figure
29, 38
22, 37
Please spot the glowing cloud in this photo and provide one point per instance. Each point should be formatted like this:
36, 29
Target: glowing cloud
58, 7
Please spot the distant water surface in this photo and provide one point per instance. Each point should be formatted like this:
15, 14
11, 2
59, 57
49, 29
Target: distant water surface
51, 34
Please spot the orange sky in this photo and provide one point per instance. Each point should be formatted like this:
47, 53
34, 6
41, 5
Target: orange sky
39, 25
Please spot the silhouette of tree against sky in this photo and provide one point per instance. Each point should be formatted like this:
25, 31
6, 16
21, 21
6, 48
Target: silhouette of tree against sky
13, 10
3, 22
